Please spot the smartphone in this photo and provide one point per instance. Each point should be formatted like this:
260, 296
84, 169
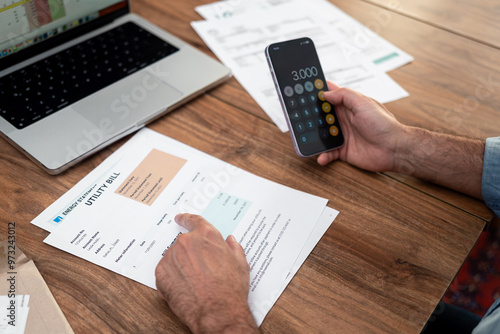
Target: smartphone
300, 83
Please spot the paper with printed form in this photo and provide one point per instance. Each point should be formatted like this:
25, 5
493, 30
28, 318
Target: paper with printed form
121, 215
356, 37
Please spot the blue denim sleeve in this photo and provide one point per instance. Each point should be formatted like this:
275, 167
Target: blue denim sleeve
490, 188
490, 185
491, 320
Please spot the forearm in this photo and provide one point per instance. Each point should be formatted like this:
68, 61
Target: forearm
450, 161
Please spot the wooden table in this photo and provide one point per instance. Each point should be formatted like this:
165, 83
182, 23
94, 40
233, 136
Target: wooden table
397, 244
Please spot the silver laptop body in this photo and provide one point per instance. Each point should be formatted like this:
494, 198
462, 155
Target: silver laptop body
76, 131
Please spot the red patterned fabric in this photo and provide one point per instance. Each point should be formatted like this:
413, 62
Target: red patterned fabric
477, 284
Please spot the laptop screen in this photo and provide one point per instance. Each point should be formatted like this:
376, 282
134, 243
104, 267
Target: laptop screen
28, 24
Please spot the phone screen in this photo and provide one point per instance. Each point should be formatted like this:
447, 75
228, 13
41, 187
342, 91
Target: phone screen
300, 83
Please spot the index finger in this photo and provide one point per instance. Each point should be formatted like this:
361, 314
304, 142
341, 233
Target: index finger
190, 221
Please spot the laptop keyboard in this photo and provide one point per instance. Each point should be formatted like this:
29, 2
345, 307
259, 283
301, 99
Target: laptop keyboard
38, 90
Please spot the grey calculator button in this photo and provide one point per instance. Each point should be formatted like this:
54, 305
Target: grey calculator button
309, 86
288, 91
299, 89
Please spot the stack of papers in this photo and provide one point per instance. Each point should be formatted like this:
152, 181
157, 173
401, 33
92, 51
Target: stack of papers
351, 55
121, 215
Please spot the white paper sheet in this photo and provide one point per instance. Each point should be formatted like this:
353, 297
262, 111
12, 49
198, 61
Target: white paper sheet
239, 42
122, 214
360, 38
261, 305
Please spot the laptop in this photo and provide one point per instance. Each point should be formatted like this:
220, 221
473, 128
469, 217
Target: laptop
75, 76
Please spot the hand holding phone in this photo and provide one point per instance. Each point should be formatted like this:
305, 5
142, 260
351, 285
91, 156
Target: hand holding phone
300, 83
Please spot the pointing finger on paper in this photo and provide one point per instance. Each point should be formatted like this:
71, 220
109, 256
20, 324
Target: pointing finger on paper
192, 222
189, 221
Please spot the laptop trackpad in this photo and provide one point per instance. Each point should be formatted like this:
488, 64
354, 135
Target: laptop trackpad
131, 101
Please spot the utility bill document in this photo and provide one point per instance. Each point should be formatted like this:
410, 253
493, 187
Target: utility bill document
121, 215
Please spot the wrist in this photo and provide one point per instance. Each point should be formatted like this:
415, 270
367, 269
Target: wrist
226, 322
406, 149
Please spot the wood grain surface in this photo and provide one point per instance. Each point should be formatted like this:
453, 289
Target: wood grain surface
473, 19
385, 262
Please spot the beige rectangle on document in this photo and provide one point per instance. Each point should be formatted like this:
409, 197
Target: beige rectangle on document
151, 177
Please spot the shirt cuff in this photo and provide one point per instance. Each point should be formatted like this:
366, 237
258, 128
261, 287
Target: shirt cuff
490, 184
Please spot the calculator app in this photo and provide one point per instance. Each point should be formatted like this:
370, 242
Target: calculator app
312, 121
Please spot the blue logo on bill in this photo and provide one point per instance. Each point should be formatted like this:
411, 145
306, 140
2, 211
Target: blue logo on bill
58, 219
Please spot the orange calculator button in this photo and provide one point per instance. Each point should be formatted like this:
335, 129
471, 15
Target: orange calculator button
318, 83
334, 131
321, 95
326, 107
